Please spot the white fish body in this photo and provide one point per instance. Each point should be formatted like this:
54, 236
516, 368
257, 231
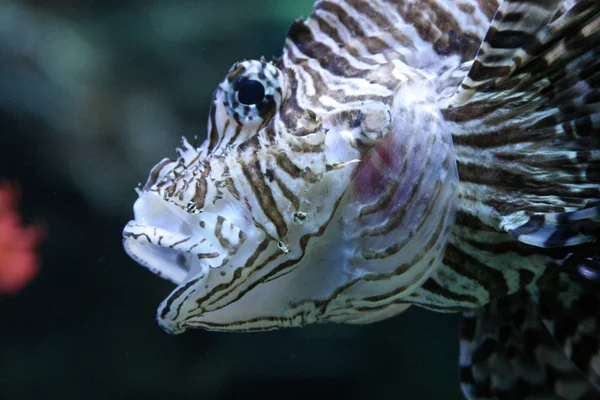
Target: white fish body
433, 153
271, 221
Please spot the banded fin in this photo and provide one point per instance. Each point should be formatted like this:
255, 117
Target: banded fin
526, 125
343, 35
570, 309
534, 345
511, 35
560, 229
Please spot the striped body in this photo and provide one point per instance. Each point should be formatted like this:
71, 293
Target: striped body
437, 153
341, 211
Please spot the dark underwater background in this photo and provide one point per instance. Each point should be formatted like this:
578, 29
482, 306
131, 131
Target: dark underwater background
92, 95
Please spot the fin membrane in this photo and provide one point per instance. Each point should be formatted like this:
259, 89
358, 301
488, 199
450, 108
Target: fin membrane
526, 124
534, 345
560, 229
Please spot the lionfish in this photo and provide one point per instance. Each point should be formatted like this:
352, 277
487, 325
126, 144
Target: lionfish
444, 154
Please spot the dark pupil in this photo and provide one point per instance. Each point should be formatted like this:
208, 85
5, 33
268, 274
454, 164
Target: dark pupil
249, 91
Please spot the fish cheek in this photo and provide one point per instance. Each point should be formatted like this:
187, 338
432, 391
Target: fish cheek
260, 306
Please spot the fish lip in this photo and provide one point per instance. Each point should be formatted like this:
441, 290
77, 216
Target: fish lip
160, 257
159, 238
144, 244
161, 260
162, 231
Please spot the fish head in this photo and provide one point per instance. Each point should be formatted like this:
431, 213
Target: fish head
284, 216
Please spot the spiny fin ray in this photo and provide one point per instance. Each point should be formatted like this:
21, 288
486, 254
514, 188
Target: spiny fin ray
526, 123
560, 229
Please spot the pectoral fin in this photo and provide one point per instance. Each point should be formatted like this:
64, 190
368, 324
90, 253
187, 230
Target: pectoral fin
536, 344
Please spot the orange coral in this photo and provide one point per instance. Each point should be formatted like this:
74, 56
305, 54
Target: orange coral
19, 263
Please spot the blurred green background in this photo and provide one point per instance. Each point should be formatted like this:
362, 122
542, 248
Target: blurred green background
92, 95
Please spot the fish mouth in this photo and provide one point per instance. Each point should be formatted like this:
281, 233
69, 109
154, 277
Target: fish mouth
182, 247
161, 239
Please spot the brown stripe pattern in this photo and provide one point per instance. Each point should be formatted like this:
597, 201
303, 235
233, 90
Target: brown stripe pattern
528, 150
438, 153
264, 183
507, 352
399, 152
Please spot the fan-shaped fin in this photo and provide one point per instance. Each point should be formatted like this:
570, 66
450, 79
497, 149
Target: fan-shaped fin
526, 125
341, 34
534, 345
560, 229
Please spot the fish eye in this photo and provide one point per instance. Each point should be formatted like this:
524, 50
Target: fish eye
252, 92
249, 91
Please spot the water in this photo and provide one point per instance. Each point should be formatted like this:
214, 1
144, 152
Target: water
92, 95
